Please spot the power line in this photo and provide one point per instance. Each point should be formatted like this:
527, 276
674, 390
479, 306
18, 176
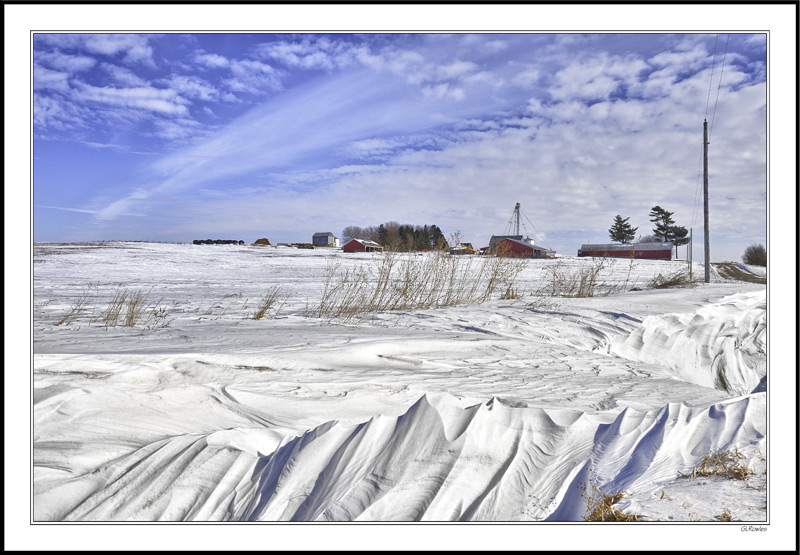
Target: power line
721, 69
711, 77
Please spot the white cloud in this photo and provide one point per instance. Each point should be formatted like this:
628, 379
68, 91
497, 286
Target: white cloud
65, 62
146, 98
175, 129
456, 70
44, 78
192, 87
123, 76
132, 48
211, 60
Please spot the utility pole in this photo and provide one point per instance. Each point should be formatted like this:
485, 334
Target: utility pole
689, 253
705, 201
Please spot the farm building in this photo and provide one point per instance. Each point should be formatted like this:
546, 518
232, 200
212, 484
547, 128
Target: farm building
325, 239
463, 248
497, 238
361, 245
651, 251
525, 249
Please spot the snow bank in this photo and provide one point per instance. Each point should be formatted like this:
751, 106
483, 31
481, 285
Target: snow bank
492, 411
437, 462
721, 345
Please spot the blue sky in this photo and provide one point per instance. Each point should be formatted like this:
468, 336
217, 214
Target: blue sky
177, 137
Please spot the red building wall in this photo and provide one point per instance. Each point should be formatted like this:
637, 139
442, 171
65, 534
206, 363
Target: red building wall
646, 254
354, 246
507, 247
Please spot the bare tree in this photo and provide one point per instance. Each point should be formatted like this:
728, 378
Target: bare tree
755, 255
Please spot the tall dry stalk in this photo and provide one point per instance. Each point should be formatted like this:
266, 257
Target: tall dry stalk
412, 282
77, 307
273, 298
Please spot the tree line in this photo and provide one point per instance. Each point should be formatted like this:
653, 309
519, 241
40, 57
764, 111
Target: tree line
393, 236
665, 231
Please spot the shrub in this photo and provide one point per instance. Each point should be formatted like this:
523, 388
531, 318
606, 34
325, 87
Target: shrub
755, 255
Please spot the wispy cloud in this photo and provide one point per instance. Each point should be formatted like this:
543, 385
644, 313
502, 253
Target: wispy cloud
81, 210
451, 129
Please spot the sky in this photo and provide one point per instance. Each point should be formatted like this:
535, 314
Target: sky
175, 137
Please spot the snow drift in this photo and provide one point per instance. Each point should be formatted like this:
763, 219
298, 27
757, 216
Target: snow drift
437, 462
496, 411
721, 345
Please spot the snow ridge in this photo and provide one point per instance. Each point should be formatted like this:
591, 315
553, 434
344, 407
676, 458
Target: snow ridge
435, 462
722, 345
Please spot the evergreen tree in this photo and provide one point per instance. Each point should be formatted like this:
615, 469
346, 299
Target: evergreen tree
663, 220
666, 230
622, 231
437, 237
383, 235
678, 236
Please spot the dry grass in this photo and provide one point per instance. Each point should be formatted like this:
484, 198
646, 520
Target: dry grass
273, 299
724, 517
580, 282
131, 308
600, 505
722, 463
678, 279
413, 282
78, 306
112, 313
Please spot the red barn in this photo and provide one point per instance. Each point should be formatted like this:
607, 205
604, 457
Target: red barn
650, 251
526, 249
362, 245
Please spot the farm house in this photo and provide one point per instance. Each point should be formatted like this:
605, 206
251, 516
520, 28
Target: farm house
362, 245
522, 248
650, 251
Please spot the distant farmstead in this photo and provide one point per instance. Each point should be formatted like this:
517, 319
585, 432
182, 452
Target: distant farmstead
217, 242
362, 245
325, 239
649, 251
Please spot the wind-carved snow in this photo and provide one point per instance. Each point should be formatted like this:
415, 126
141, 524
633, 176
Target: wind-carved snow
437, 461
495, 412
721, 345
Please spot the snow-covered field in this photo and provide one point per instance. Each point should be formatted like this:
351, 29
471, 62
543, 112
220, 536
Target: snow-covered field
494, 411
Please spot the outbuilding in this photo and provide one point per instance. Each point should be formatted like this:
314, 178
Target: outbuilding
361, 245
523, 249
325, 239
649, 251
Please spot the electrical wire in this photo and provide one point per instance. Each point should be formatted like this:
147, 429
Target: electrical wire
722, 68
711, 77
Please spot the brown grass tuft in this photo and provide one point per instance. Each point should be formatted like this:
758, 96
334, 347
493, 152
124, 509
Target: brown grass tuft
724, 517
722, 463
600, 505
272, 299
678, 279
